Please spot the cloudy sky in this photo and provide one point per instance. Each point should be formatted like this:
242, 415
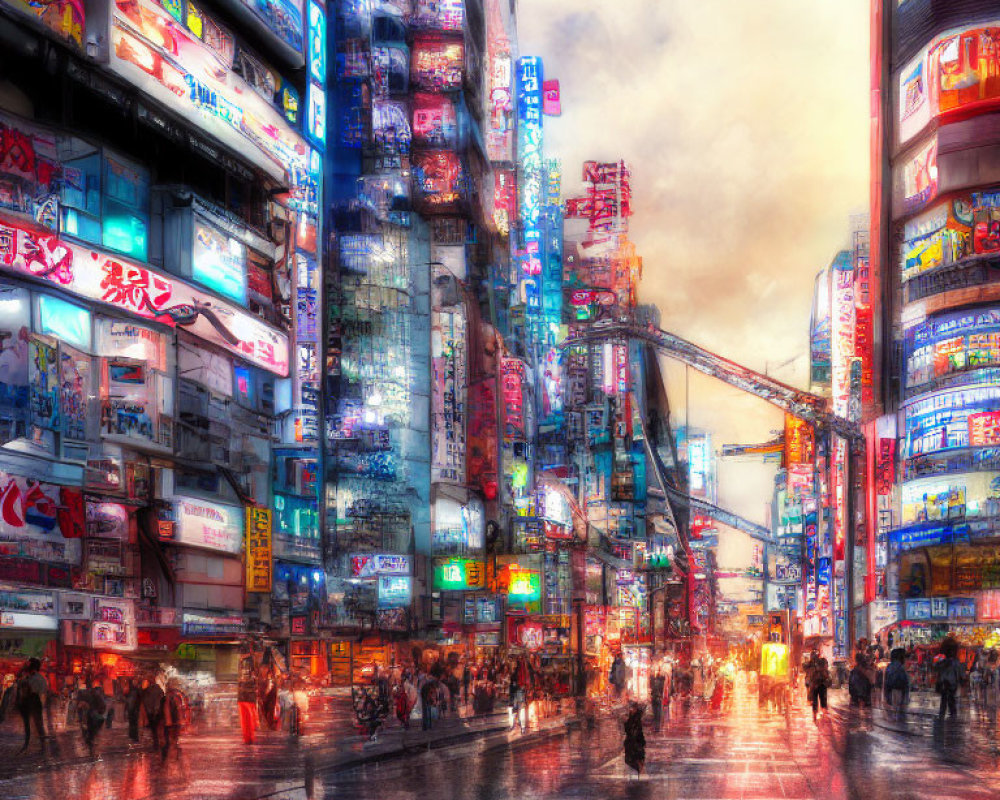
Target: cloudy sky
746, 128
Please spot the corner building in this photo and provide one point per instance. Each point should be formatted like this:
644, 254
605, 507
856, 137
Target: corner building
936, 251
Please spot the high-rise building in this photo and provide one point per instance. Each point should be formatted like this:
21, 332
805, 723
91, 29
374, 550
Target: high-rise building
936, 176
159, 229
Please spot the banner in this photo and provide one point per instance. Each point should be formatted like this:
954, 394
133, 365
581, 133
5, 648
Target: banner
259, 566
140, 291
512, 372
551, 102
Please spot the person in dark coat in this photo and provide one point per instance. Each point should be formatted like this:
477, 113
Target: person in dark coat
657, 684
133, 707
152, 708
635, 739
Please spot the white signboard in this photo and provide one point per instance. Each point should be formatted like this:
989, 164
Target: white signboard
200, 523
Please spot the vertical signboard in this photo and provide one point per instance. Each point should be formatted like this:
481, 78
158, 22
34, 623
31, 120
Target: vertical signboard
259, 567
529, 106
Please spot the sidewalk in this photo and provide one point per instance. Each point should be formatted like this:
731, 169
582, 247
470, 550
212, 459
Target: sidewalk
331, 741
920, 717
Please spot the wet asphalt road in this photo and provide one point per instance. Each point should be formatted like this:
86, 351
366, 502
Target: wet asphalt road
746, 753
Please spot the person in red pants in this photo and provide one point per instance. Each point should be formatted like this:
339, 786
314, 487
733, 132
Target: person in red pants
246, 694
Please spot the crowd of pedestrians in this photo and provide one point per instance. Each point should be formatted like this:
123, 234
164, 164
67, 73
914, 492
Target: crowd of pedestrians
151, 702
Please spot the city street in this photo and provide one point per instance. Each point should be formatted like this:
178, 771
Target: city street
746, 753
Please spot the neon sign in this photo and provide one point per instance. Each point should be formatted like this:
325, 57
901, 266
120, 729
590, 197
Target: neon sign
458, 574
529, 104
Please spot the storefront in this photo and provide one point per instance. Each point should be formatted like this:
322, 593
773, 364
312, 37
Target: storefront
210, 645
29, 627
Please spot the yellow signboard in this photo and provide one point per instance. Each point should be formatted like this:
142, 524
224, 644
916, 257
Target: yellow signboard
259, 550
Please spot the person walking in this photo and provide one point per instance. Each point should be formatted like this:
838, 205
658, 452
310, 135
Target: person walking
246, 694
635, 739
950, 675
175, 717
616, 676
860, 682
428, 702
133, 708
896, 683
466, 680
29, 699
93, 710
657, 683
152, 709
819, 681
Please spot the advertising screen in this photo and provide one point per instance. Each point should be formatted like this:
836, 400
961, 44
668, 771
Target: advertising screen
218, 261
394, 591
284, 17
64, 17
524, 590
955, 74
941, 421
458, 574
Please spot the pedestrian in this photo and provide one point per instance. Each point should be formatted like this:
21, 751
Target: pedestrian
616, 676
428, 702
517, 695
819, 681
29, 700
175, 717
950, 675
657, 683
8, 694
246, 693
93, 710
860, 682
269, 698
896, 683
635, 739
152, 709
466, 680
133, 708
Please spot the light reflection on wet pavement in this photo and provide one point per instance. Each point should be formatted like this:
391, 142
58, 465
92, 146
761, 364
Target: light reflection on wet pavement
746, 753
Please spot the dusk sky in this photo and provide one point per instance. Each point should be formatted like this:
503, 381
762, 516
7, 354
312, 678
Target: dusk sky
746, 128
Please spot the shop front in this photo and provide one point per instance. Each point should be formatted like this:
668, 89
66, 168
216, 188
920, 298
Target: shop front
209, 647
29, 627
99, 637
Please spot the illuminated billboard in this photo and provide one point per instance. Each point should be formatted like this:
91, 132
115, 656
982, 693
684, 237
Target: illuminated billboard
458, 574
954, 344
218, 261
955, 74
213, 526
66, 18
141, 291
194, 78
530, 75
946, 234
940, 421
523, 588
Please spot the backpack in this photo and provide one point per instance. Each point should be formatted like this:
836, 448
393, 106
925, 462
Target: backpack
948, 676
